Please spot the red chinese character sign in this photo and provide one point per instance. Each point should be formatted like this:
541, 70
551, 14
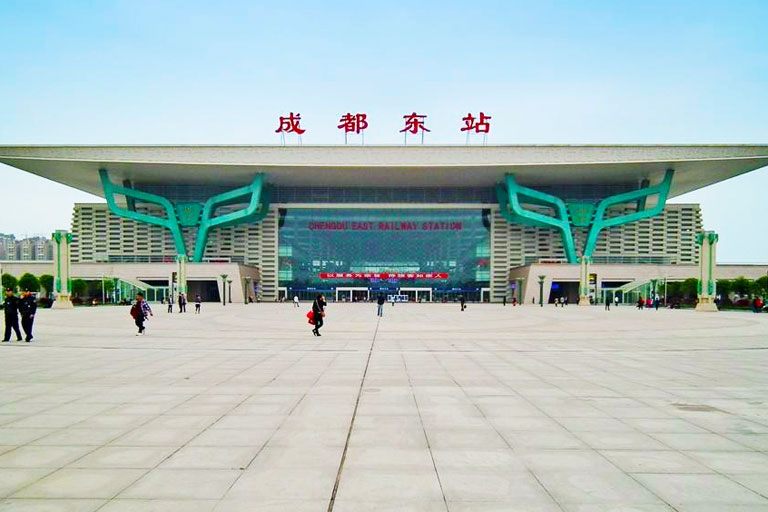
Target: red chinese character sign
290, 124
477, 125
356, 123
414, 123
384, 275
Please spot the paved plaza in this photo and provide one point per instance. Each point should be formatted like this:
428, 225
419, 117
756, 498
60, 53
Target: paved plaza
428, 409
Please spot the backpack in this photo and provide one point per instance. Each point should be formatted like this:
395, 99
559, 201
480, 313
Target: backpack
135, 311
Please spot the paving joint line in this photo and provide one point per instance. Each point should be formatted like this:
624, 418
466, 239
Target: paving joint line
332, 501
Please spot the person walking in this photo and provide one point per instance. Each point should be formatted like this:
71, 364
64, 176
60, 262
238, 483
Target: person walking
616, 300
640, 303
27, 308
140, 311
318, 312
463, 302
296, 301
182, 303
656, 301
607, 302
380, 302
170, 304
198, 302
11, 314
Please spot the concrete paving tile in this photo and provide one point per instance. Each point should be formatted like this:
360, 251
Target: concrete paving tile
389, 506
368, 484
654, 461
146, 436
249, 505
601, 487
33, 505
81, 483
124, 457
757, 482
699, 489
388, 437
73, 436
385, 456
479, 439
691, 442
180, 484
733, 462
309, 436
42, 456
299, 457
493, 485
299, 484
564, 460
11, 480
139, 505
620, 441
232, 437
19, 436
503, 460
211, 457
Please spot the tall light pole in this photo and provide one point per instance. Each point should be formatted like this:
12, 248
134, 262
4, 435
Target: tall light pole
541, 290
229, 282
102, 288
224, 289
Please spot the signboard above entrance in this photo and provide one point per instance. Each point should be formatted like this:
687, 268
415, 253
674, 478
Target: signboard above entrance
383, 275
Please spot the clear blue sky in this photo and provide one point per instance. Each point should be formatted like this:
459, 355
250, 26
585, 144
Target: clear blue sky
148, 72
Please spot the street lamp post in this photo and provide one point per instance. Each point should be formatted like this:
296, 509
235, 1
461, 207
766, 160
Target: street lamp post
541, 290
224, 289
229, 282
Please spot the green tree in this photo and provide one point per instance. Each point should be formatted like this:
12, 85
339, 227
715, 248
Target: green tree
673, 290
689, 288
9, 282
79, 287
46, 281
760, 286
724, 287
741, 286
29, 282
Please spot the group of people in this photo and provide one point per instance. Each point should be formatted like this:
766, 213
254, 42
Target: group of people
182, 303
26, 305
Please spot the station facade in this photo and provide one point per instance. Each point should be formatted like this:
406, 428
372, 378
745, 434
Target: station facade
352, 222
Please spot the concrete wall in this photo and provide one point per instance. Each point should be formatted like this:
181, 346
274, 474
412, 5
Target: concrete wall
570, 273
149, 271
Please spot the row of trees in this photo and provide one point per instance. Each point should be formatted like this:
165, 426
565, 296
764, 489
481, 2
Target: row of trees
741, 286
80, 287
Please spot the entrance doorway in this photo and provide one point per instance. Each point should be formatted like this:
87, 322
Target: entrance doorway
417, 294
485, 295
352, 294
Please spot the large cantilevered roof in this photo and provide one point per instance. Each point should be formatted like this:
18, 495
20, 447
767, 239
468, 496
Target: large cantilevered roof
695, 166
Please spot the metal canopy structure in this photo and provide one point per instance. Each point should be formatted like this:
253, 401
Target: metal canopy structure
404, 166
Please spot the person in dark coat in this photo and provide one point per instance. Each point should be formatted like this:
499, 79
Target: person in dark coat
463, 302
27, 308
318, 311
380, 302
11, 314
607, 302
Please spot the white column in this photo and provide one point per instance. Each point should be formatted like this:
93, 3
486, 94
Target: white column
62, 278
707, 240
584, 281
181, 273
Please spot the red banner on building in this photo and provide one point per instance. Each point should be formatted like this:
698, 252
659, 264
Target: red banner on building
383, 275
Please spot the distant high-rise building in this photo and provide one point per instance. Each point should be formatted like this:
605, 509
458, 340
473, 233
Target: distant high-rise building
36, 248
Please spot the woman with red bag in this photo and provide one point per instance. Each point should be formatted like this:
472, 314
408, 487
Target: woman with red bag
318, 312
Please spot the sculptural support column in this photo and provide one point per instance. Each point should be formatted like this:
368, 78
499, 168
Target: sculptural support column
707, 242
62, 277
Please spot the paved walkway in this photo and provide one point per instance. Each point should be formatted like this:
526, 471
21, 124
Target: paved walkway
430, 409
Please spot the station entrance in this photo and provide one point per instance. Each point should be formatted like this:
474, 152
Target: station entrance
417, 294
353, 294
